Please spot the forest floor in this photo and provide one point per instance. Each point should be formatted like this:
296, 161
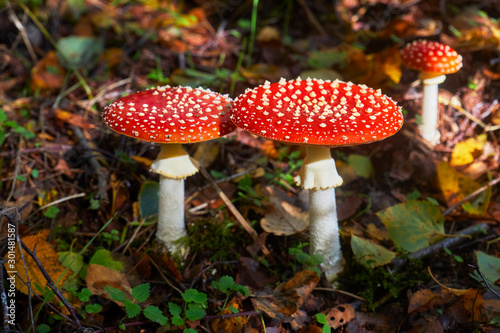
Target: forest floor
419, 223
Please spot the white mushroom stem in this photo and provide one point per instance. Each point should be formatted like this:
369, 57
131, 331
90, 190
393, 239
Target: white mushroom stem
171, 225
319, 175
324, 229
429, 127
174, 165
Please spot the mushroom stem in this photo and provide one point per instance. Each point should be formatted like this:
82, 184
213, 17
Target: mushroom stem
324, 229
319, 175
174, 165
318, 169
429, 127
171, 224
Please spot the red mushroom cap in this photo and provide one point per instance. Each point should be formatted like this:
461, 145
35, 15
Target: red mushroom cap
327, 113
171, 115
430, 56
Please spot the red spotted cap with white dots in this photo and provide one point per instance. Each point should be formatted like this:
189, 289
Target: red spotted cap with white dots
171, 115
431, 56
318, 112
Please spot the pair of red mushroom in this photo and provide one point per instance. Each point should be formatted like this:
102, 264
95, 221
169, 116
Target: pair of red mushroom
319, 114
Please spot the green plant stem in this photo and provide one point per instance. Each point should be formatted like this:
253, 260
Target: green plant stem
252, 31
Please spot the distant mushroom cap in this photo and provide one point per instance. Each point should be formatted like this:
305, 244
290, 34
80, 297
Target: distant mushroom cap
171, 115
431, 56
318, 112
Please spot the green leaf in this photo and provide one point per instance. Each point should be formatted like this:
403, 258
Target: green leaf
326, 58
132, 309
148, 199
84, 295
361, 164
195, 312
233, 309
3, 116
433, 201
43, 328
51, 212
79, 52
141, 292
489, 266
115, 294
243, 290
93, 308
2, 135
34, 173
104, 258
413, 195
71, 260
174, 309
413, 225
321, 318
224, 284
177, 320
189, 330
153, 313
194, 296
370, 255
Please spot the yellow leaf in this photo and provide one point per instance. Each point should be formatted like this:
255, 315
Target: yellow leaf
465, 152
46, 197
455, 186
47, 256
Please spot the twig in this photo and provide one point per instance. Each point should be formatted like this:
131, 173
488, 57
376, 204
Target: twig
134, 235
23, 33
472, 195
102, 184
232, 315
112, 86
71, 197
248, 228
486, 282
52, 286
57, 149
312, 19
341, 292
445, 243
165, 278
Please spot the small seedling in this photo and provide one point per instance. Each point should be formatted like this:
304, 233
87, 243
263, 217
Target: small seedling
227, 285
285, 177
321, 318
248, 192
14, 126
140, 294
308, 261
455, 256
194, 309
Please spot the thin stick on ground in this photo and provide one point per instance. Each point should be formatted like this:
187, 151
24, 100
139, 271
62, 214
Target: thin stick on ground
472, 195
102, 183
251, 231
52, 286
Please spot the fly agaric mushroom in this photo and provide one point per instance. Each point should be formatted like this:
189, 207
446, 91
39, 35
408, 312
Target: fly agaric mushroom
171, 116
319, 114
433, 60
